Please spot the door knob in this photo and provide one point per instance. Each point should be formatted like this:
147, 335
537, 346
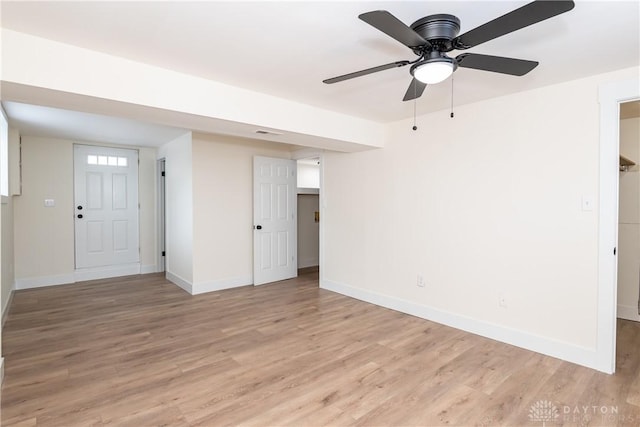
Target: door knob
258, 227
80, 216
79, 207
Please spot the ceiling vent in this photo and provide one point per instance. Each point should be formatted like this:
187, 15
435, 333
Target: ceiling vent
267, 132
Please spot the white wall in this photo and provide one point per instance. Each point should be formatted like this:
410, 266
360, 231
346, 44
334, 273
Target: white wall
223, 209
47, 234
308, 231
485, 206
629, 223
4, 128
179, 210
8, 273
147, 197
308, 174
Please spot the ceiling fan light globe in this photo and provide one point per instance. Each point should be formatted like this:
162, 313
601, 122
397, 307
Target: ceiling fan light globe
433, 72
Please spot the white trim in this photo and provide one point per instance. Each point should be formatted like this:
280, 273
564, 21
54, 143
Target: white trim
306, 153
304, 190
204, 287
218, 285
7, 304
1, 370
161, 167
559, 349
94, 273
308, 262
610, 96
179, 281
42, 281
323, 205
628, 312
148, 269
84, 274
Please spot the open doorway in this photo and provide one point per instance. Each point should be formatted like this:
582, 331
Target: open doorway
308, 198
628, 292
610, 96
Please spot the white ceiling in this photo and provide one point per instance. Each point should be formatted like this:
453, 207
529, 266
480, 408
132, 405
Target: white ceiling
287, 48
36, 120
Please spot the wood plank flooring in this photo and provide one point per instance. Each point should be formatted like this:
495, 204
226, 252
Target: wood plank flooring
139, 351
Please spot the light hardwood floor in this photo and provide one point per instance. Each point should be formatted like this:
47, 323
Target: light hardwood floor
139, 351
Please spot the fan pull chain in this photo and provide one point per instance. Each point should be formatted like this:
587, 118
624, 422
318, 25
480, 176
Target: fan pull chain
451, 96
415, 102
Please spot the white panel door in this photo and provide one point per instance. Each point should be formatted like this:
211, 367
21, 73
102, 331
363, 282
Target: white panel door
106, 206
274, 220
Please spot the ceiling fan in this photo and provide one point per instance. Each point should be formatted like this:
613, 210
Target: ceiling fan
431, 37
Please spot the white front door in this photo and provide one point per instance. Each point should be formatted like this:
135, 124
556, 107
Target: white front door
106, 206
274, 220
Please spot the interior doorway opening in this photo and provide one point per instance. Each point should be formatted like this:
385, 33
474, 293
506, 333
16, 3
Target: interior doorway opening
308, 199
628, 283
610, 96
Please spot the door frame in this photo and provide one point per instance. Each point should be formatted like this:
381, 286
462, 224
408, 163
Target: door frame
162, 214
320, 154
611, 95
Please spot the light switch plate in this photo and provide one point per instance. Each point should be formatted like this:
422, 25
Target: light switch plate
49, 203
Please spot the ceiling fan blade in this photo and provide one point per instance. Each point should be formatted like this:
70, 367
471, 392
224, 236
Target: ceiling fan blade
523, 17
415, 90
365, 72
393, 27
497, 64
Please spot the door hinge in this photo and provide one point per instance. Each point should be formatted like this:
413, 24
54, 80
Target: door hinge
163, 253
162, 173
614, 251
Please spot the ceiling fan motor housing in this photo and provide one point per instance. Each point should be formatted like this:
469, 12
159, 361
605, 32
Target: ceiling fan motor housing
438, 30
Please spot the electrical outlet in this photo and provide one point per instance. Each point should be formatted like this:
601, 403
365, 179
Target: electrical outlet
420, 281
502, 301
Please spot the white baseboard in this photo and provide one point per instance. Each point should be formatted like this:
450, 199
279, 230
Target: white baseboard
148, 268
82, 274
6, 305
179, 281
628, 312
550, 347
39, 282
1, 370
308, 262
215, 285
218, 285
